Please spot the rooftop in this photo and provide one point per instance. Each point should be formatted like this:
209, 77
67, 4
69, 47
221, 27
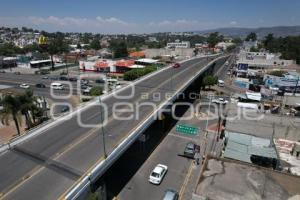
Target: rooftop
241, 147
262, 125
227, 180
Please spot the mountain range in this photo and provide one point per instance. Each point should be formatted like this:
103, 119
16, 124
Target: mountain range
278, 31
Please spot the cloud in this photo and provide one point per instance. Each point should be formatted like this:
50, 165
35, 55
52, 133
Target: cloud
53, 23
180, 25
233, 23
101, 24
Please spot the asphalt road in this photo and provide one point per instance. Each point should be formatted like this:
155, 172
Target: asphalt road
47, 165
166, 153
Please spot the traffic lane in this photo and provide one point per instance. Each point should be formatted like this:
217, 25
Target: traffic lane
166, 153
48, 180
10, 177
42, 91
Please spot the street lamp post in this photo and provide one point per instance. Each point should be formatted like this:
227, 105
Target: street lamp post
102, 129
206, 126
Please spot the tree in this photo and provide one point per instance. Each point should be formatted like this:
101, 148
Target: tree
121, 50
237, 40
95, 44
251, 37
254, 49
213, 39
29, 105
209, 81
56, 46
96, 91
11, 107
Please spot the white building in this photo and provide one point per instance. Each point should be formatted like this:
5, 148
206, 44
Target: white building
183, 44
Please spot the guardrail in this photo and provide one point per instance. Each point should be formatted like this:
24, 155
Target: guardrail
83, 185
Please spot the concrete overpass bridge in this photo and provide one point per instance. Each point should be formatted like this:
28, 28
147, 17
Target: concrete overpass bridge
62, 159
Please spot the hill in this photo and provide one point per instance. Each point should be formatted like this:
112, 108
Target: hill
261, 32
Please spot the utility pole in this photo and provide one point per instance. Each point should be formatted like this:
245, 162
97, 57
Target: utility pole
206, 126
295, 90
102, 129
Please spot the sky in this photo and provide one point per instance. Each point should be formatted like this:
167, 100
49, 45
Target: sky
138, 16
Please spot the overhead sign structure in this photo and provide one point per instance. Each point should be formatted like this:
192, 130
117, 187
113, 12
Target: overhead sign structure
187, 129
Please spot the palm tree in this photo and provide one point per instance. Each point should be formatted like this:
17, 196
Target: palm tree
27, 103
11, 107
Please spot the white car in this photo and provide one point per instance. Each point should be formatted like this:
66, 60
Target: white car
219, 101
158, 174
25, 86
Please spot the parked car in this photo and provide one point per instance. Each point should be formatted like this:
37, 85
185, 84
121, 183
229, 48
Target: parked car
83, 81
221, 83
57, 86
221, 101
191, 149
17, 73
158, 174
63, 78
24, 86
40, 85
171, 195
100, 81
54, 78
73, 79
176, 65
65, 109
2, 71
45, 77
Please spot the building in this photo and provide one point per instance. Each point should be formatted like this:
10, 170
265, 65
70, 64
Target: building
250, 149
97, 65
289, 152
289, 81
8, 62
223, 179
177, 44
224, 45
123, 66
258, 61
146, 61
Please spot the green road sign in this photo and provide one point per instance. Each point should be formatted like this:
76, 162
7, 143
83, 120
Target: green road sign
187, 129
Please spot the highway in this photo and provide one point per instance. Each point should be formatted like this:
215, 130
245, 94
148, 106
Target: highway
48, 164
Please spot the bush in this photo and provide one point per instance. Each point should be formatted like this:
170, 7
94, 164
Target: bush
136, 73
85, 99
96, 91
44, 71
277, 73
209, 81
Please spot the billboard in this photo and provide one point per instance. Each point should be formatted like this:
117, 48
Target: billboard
242, 67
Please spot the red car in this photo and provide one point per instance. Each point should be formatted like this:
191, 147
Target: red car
176, 65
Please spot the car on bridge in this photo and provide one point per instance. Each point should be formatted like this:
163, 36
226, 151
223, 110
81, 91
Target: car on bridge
158, 174
176, 65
